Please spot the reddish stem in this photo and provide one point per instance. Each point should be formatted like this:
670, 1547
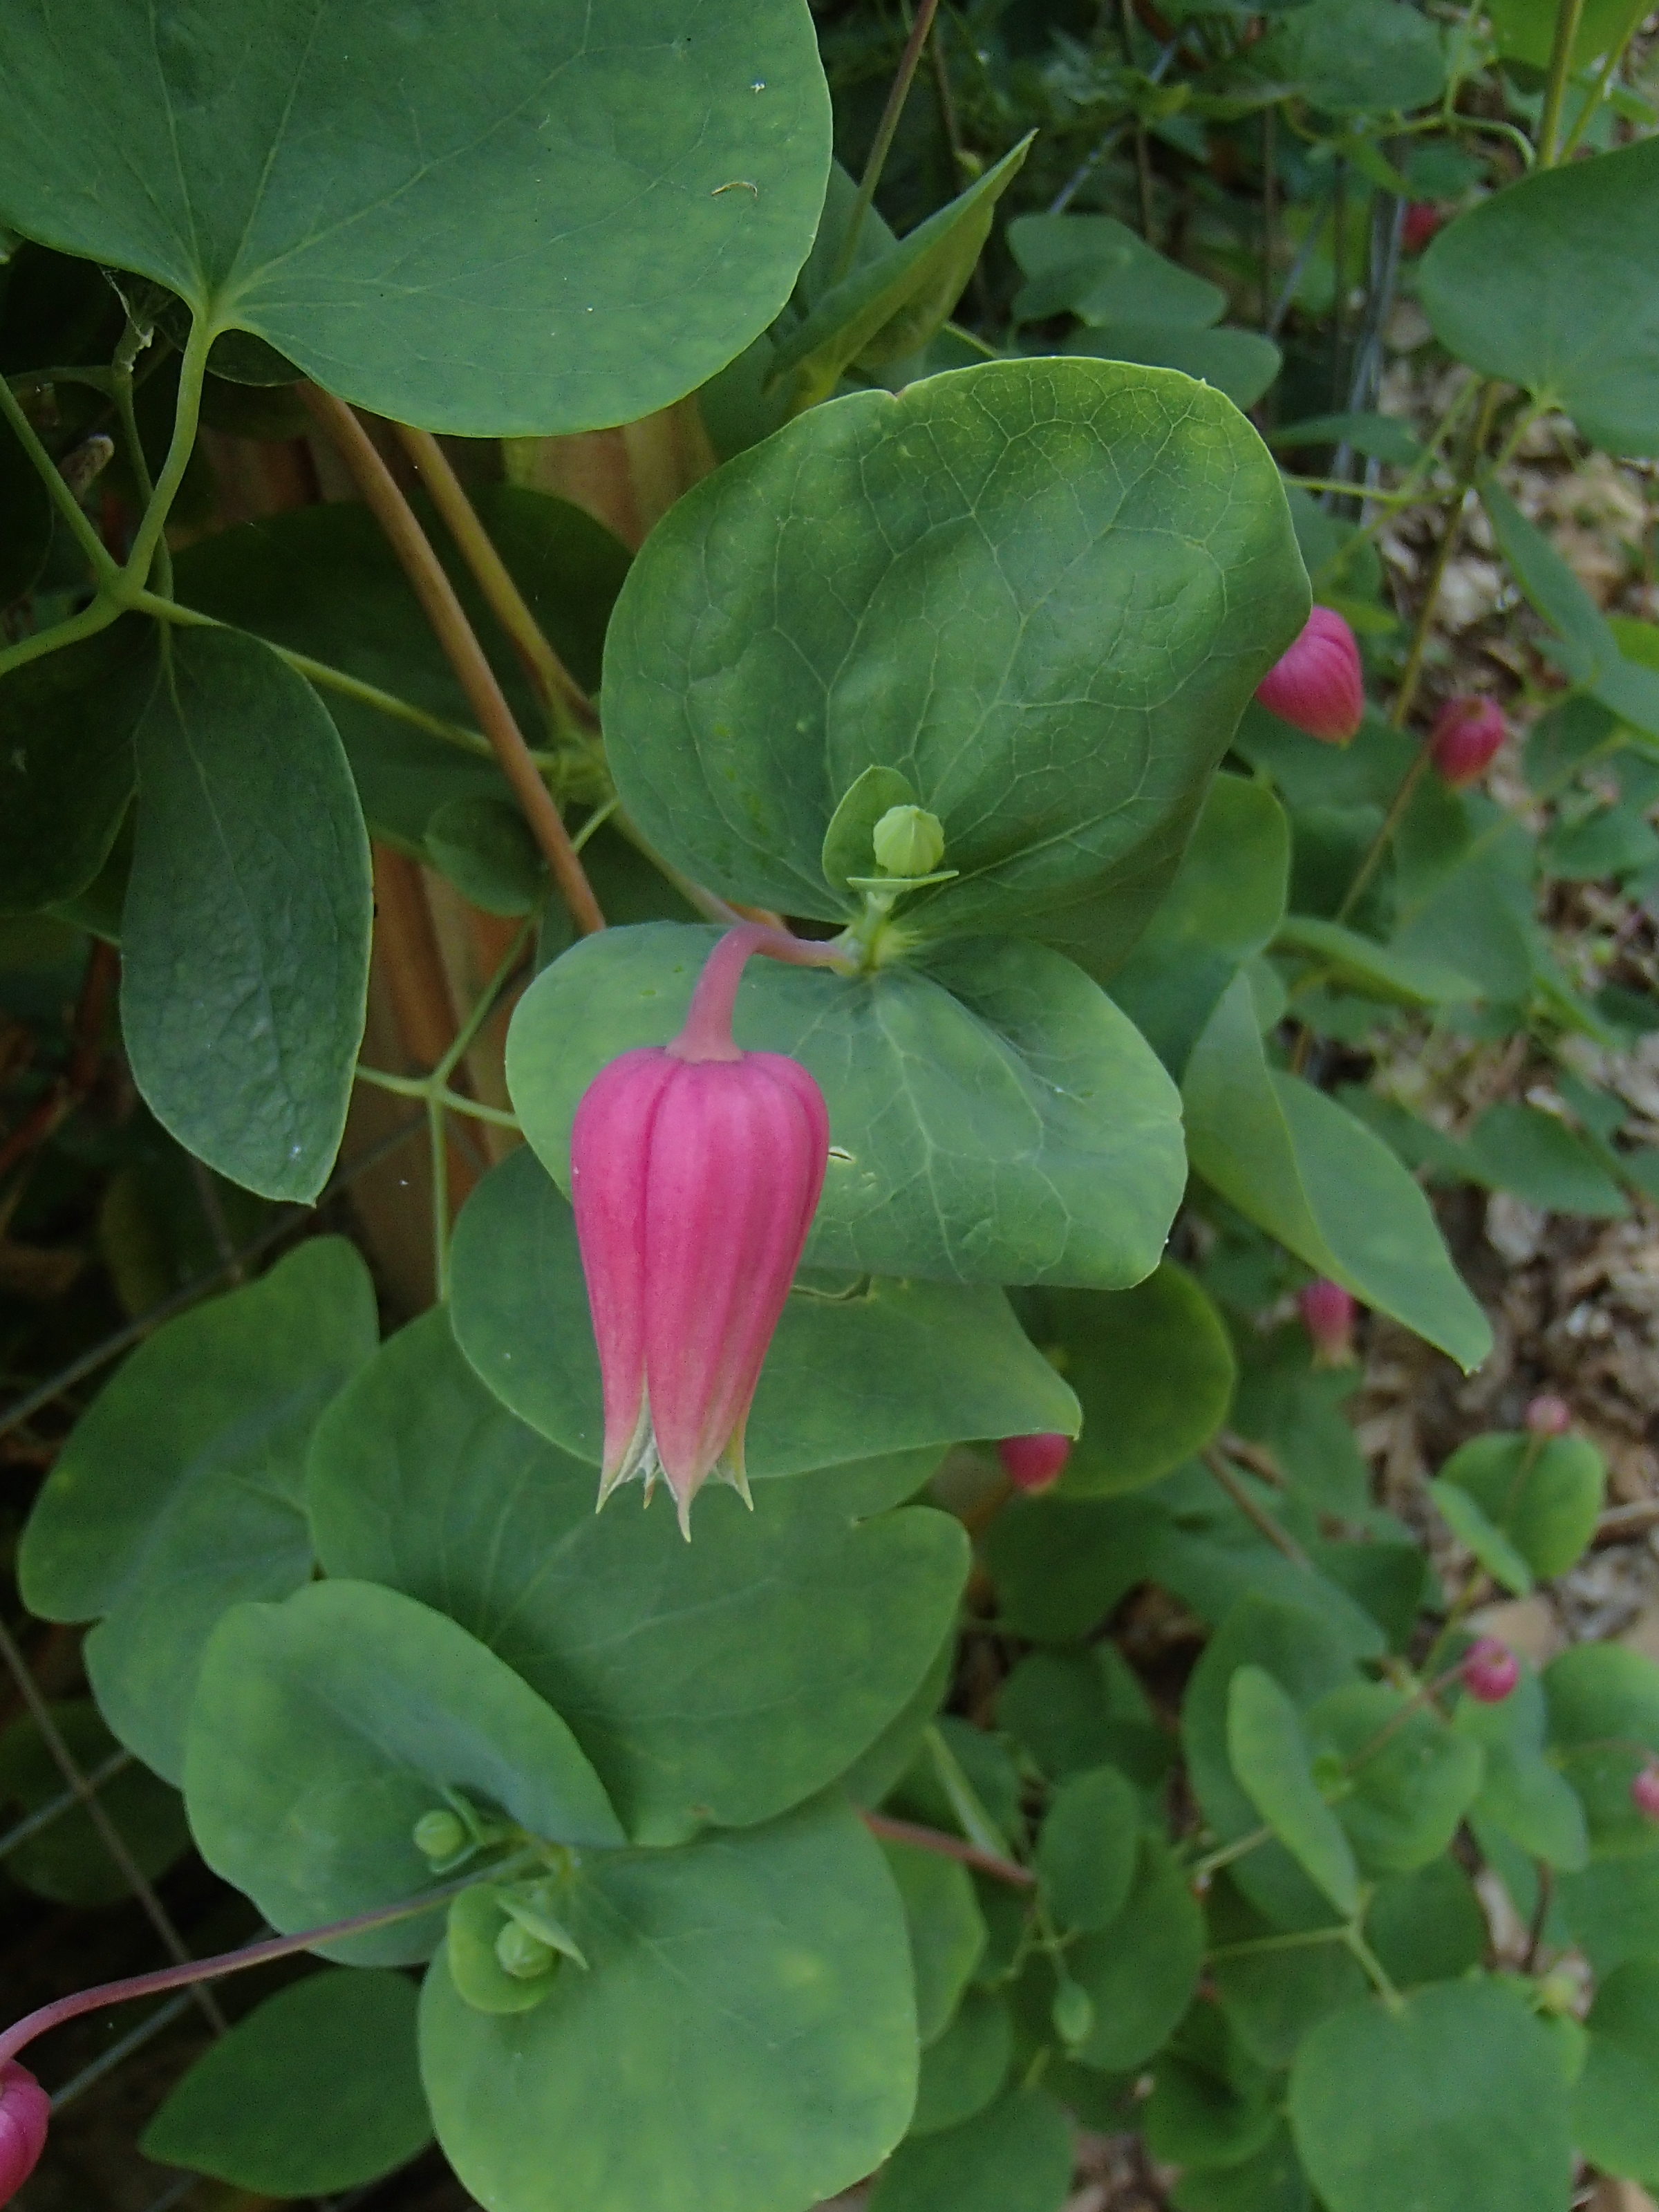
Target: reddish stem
950, 1847
708, 1031
23, 2032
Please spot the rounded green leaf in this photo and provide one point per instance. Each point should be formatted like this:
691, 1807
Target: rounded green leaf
745, 2037
180, 1491
995, 1118
325, 1728
68, 1859
1428, 1925
1225, 901
1616, 2098
1292, 1161
1308, 1655
1544, 1492
935, 1363
1153, 1370
622, 207
1523, 1792
1016, 2156
1486, 1542
1272, 1997
1409, 1777
1088, 1849
1042, 590
1603, 1703
244, 934
946, 1929
1142, 1970
1455, 2103
1075, 1710
66, 761
721, 1680
1358, 57
1270, 1759
318, 2088
963, 2069
1546, 285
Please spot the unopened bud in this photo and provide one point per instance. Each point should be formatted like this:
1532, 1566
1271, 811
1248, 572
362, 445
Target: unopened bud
1423, 219
1318, 686
439, 1835
1547, 1415
1489, 1671
1034, 1462
1327, 1315
908, 841
1466, 734
1645, 1793
522, 1954
25, 2110
1072, 2013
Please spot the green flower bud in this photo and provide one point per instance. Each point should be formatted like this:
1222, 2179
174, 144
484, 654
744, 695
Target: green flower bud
438, 1836
1072, 2013
908, 841
522, 1954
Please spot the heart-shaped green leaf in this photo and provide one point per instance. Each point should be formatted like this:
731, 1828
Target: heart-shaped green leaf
1545, 284
325, 1728
1014, 2157
318, 2088
995, 1117
180, 1491
725, 1680
622, 207
1455, 2102
1409, 1777
1544, 1492
744, 2037
935, 1363
983, 585
1616, 2100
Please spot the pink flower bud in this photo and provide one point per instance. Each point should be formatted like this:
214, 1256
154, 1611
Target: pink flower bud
1467, 733
696, 1171
1318, 686
1645, 1793
1327, 1315
1547, 1415
25, 2110
1034, 1462
1423, 219
1489, 1671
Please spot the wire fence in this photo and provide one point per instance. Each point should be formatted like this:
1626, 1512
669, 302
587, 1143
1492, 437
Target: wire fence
84, 1786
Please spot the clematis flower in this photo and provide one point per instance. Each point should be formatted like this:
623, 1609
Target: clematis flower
1035, 1462
1318, 686
695, 1170
1327, 1314
1466, 735
25, 2110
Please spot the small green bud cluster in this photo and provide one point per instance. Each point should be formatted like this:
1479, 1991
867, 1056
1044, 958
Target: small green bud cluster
908, 841
522, 1954
439, 1835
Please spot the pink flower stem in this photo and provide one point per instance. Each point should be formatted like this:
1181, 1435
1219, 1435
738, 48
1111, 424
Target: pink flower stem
950, 1847
708, 1031
23, 2032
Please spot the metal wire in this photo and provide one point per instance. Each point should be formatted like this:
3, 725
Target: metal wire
43, 1817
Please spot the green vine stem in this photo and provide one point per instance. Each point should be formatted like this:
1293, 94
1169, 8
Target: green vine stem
881, 145
105, 567
192, 374
1569, 14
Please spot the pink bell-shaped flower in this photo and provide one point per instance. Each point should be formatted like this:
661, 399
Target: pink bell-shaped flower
1318, 686
1035, 1462
1547, 1415
1645, 1792
1466, 735
25, 2110
1327, 1315
695, 1170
